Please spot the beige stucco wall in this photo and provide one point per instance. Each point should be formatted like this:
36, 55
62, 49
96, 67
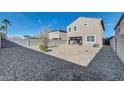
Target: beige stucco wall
120, 47
121, 27
58, 34
94, 28
120, 40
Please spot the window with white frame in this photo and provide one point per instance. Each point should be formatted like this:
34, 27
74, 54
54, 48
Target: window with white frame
69, 29
85, 24
55, 33
75, 28
91, 39
118, 30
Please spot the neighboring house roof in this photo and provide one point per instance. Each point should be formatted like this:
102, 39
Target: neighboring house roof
26, 36
59, 31
119, 21
102, 23
111, 37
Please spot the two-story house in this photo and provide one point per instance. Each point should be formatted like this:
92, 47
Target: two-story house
119, 38
58, 35
86, 32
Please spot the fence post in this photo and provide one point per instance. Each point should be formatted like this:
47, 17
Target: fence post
29, 42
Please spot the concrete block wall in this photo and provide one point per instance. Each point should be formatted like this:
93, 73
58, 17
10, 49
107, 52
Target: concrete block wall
36, 42
0, 43
112, 43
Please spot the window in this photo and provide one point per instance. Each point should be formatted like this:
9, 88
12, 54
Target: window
119, 29
69, 30
75, 28
91, 39
85, 24
55, 33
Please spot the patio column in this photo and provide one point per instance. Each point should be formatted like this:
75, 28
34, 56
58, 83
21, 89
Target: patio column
82, 41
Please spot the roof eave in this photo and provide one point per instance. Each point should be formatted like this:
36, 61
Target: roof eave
119, 21
102, 24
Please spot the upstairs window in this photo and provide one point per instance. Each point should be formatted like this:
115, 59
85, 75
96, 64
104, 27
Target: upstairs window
75, 28
55, 33
85, 24
119, 29
69, 29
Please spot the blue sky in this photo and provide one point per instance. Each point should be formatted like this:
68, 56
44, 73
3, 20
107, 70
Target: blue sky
32, 23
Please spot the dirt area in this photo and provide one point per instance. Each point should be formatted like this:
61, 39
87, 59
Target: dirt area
74, 53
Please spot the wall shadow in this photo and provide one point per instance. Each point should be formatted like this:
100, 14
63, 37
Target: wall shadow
7, 44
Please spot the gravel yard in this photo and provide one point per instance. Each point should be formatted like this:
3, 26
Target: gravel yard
106, 65
20, 63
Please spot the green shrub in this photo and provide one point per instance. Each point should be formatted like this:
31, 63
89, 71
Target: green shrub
1, 35
43, 47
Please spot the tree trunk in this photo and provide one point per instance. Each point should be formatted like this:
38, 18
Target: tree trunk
6, 31
6, 36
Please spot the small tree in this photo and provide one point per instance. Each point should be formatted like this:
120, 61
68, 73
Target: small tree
44, 36
1, 35
2, 28
6, 23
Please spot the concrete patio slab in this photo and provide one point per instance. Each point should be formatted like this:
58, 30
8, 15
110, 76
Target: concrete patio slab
74, 53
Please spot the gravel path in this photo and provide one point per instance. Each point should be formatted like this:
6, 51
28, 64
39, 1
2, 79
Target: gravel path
106, 65
20, 63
